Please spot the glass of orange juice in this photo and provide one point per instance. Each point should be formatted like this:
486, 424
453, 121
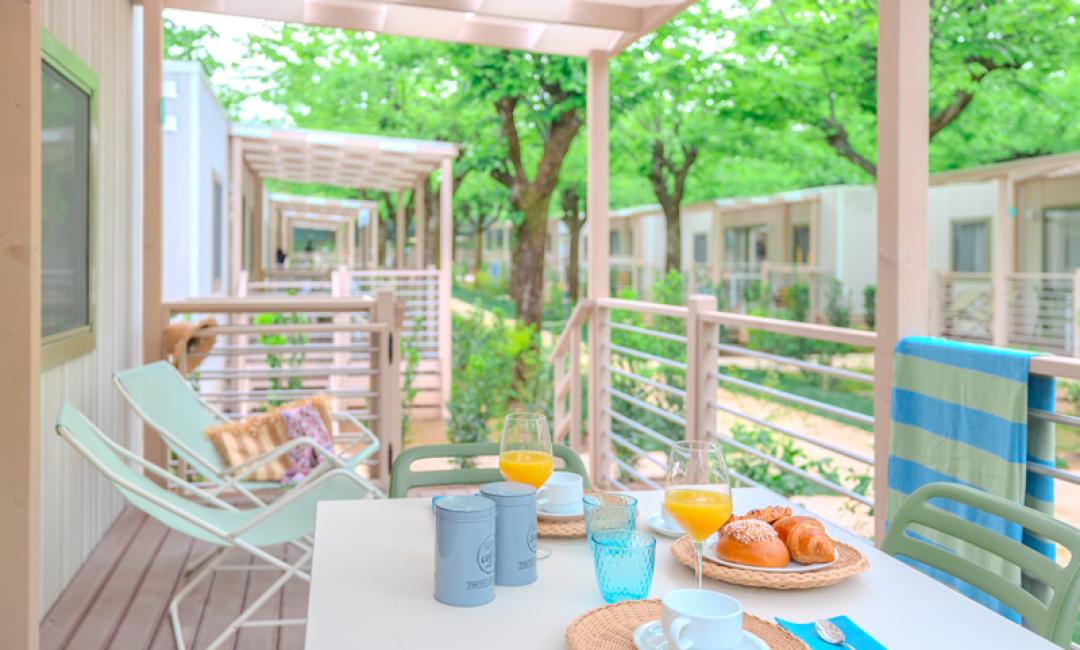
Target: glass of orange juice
698, 492
525, 449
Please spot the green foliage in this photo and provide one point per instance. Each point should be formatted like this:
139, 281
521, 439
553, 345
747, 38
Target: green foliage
182, 43
869, 305
837, 310
285, 360
408, 377
497, 368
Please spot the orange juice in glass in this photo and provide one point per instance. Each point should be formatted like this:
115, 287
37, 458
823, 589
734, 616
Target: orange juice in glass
698, 492
699, 510
525, 449
525, 466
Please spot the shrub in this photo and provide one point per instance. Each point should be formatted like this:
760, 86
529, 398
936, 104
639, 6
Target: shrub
837, 309
869, 301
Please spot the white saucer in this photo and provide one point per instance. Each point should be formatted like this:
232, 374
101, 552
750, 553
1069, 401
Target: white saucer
577, 513
657, 523
650, 636
709, 553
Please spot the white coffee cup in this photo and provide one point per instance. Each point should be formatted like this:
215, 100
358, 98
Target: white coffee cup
669, 521
702, 620
561, 494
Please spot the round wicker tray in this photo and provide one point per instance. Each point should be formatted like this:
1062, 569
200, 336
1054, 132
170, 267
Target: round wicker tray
612, 627
851, 562
564, 529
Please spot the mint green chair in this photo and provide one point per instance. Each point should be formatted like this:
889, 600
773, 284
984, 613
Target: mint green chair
164, 399
403, 478
287, 520
1053, 619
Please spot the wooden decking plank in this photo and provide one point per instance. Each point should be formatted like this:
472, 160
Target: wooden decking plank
151, 602
294, 601
191, 608
69, 610
107, 610
224, 602
262, 638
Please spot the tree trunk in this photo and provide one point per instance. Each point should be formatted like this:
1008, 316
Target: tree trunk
573, 264
380, 263
527, 276
478, 254
673, 223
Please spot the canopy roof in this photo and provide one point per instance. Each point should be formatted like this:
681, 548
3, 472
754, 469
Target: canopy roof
1051, 166
568, 27
315, 207
342, 159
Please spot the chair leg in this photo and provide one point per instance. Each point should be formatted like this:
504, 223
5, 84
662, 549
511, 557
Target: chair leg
254, 607
174, 604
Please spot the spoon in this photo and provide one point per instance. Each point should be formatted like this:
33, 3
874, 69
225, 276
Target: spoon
831, 634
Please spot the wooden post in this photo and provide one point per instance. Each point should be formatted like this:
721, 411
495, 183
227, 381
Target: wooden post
399, 232
575, 388
597, 126
256, 270
340, 287
236, 209
902, 186
373, 239
420, 205
153, 448
20, 291
387, 359
814, 276
446, 267
701, 359
1002, 266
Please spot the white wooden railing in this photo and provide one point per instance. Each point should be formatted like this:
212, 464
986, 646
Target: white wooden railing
656, 374
1040, 311
270, 350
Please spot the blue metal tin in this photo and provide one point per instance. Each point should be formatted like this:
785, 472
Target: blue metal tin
515, 532
465, 551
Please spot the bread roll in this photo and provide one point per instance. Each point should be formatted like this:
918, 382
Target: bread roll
753, 542
785, 525
808, 543
768, 514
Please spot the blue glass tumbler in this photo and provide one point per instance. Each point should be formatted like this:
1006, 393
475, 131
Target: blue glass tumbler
609, 511
624, 562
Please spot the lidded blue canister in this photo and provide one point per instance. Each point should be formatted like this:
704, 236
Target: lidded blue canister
515, 531
464, 551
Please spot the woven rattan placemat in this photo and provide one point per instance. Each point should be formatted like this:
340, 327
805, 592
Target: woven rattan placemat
565, 529
851, 562
612, 627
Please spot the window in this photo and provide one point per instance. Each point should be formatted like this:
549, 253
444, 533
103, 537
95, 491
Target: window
1061, 240
971, 246
746, 245
800, 245
216, 233
701, 248
68, 114
614, 242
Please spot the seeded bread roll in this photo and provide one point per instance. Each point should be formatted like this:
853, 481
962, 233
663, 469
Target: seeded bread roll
753, 542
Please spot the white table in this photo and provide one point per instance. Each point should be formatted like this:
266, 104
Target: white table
372, 584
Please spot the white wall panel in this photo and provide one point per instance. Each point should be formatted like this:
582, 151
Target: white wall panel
77, 505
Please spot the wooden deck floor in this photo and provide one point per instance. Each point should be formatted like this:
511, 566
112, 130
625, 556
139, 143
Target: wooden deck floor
119, 598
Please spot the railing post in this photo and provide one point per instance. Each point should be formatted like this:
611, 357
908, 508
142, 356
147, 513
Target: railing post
1074, 315
939, 291
1002, 240
575, 387
339, 288
599, 398
387, 362
701, 359
242, 382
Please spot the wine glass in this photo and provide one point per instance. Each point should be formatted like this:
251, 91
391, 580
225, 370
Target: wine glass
525, 449
698, 493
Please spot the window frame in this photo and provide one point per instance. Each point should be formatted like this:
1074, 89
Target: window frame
62, 347
987, 222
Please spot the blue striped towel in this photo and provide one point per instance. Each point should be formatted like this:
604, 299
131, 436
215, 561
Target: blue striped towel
960, 415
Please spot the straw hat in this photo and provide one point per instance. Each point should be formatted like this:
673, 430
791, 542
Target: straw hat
179, 342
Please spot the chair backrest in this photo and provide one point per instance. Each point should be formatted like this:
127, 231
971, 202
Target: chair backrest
165, 400
403, 478
140, 491
1053, 619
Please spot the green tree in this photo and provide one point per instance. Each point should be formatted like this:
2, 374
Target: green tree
189, 44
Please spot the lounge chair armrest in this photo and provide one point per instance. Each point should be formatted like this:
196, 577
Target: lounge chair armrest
363, 435
313, 483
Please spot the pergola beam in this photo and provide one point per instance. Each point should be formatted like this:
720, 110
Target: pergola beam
902, 185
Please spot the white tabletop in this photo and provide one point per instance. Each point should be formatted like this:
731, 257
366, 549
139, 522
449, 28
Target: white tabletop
373, 579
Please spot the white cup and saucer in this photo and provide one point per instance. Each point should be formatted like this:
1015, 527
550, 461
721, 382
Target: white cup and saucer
697, 619
560, 497
664, 524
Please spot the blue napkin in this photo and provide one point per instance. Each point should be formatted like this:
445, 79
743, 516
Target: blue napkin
853, 634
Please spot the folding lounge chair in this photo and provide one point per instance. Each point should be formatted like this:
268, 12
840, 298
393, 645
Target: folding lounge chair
285, 521
164, 400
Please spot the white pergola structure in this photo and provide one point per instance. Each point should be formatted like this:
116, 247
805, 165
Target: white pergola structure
346, 160
287, 212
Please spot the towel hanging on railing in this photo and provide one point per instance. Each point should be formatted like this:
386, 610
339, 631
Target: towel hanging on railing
960, 415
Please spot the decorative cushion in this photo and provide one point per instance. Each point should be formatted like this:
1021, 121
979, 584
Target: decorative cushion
242, 440
304, 421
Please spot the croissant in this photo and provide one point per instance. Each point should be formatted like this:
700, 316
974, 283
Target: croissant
784, 526
808, 543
